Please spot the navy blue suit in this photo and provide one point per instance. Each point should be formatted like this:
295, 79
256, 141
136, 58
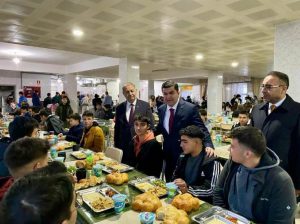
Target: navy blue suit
282, 131
124, 131
186, 114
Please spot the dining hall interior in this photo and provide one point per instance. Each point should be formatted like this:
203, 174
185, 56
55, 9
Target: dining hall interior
105, 68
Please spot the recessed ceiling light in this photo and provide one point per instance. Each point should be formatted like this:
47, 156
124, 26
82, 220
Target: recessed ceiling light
234, 64
77, 78
77, 32
199, 57
16, 60
135, 66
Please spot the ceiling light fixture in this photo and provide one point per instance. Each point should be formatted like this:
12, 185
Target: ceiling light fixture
234, 64
77, 33
199, 57
77, 78
135, 66
16, 60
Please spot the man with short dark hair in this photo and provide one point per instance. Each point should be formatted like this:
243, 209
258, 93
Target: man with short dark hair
40, 199
279, 119
252, 183
24, 156
174, 115
76, 129
195, 173
93, 136
47, 100
243, 119
51, 122
64, 110
22, 99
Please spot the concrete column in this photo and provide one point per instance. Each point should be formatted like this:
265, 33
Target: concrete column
70, 87
214, 93
151, 87
129, 71
287, 55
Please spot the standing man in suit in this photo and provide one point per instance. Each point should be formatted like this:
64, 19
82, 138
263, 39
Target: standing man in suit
125, 112
174, 115
279, 119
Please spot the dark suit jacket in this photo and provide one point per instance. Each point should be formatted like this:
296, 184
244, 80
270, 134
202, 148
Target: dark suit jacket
186, 114
124, 132
282, 131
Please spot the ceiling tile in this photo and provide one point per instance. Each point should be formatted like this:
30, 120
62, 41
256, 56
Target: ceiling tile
156, 16
36, 1
201, 30
36, 31
294, 6
244, 5
185, 6
57, 17
45, 25
128, 6
70, 6
135, 25
229, 23
179, 36
257, 35
17, 8
243, 30
106, 16
182, 24
90, 25
116, 31
264, 14
209, 15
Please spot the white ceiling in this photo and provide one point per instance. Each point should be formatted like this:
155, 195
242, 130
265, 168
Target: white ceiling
159, 33
42, 55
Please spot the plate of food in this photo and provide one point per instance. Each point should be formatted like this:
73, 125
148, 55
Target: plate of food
78, 155
99, 199
150, 184
112, 165
86, 183
219, 215
63, 145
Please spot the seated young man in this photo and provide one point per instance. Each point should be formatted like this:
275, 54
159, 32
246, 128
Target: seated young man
76, 129
144, 152
252, 183
93, 137
40, 199
243, 119
22, 158
18, 128
195, 173
51, 122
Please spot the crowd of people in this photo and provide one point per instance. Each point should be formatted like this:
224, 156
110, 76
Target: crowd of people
259, 181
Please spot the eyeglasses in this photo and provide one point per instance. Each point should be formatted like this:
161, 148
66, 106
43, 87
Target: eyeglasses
269, 87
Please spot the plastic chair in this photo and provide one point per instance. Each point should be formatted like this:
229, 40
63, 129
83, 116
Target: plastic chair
114, 153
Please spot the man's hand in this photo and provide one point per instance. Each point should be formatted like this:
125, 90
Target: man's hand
297, 192
210, 152
181, 184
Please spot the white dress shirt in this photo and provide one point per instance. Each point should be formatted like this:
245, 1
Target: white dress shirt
276, 104
167, 115
128, 108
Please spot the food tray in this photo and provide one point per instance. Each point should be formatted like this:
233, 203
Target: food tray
89, 195
78, 155
146, 184
110, 165
214, 211
216, 219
